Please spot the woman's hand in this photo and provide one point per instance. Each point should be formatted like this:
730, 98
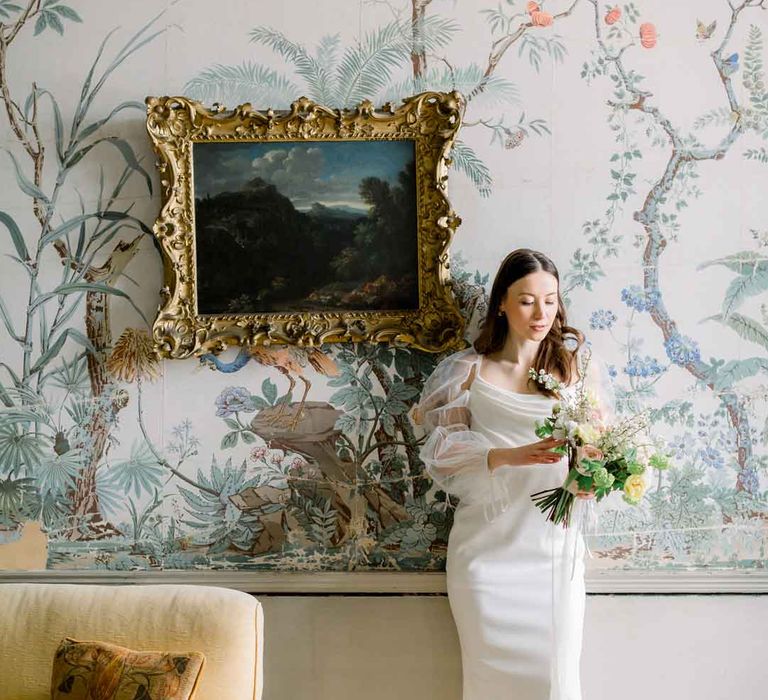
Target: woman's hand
533, 453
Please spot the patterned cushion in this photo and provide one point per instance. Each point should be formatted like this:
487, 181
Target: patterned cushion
101, 671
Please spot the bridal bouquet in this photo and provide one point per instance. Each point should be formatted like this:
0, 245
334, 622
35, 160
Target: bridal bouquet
602, 456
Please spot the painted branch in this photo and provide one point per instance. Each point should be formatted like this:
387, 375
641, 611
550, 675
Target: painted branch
418, 56
648, 217
500, 47
30, 11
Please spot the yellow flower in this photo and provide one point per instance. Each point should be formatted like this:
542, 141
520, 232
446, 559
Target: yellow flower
133, 357
588, 433
634, 488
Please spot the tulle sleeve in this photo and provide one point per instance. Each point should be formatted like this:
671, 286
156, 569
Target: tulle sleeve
454, 455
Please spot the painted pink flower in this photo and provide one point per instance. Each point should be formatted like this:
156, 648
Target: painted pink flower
613, 15
647, 35
298, 462
541, 19
258, 453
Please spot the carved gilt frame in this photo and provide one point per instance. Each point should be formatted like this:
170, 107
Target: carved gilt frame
430, 119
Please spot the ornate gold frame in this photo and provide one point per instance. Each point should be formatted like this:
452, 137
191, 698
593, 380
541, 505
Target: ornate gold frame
430, 119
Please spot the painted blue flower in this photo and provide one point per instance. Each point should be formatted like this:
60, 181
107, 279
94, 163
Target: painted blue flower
635, 297
680, 445
602, 320
712, 457
750, 480
643, 367
681, 349
612, 371
234, 399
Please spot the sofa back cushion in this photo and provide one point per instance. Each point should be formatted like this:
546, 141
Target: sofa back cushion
226, 626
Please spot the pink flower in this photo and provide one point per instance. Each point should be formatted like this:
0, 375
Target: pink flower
586, 452
257, 453
532, 7
298, 462
276, 458
647, 35
613, 15
541, 19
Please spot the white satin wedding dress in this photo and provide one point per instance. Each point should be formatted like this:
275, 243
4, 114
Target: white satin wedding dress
515, 581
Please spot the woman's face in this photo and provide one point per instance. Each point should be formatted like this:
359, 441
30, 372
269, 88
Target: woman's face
530, 305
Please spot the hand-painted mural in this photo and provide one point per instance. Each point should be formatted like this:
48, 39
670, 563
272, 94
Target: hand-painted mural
627, 141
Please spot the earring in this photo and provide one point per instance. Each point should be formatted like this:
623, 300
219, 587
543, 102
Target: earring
501, 312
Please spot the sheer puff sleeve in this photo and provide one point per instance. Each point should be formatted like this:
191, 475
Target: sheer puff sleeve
454, 455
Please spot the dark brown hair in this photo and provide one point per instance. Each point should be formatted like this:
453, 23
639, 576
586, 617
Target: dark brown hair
553, 356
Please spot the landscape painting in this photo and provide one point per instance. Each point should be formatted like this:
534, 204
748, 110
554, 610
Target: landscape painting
305, 226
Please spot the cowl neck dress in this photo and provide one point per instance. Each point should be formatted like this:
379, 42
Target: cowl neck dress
515, 581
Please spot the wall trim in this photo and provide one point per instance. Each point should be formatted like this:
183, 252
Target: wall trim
340, 583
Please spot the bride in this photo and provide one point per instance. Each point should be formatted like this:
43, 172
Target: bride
516, 596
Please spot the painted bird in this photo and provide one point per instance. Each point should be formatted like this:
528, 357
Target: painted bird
704, 31
731, 64
290, 360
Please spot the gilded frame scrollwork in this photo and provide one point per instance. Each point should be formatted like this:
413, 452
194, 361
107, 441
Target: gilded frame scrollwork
430, 119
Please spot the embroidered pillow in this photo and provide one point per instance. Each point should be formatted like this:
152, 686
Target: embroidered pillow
101, 671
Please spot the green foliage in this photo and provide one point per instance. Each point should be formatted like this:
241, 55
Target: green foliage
737, 370
20, 450
140, 472
316, 515
19, 500
585, 269
538, 46
753, 77
746, 327
16, 236
758, 154
497, 90
416, 535
248, 82
51, 15
139, 519
721, 116
363, 69
675, 412
72, 376
683, 502
221, 525
8, 8
56, 474
465, 160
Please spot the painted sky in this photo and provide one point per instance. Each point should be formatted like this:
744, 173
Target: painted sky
305, 172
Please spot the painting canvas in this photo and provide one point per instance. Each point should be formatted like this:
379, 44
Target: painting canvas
305, 226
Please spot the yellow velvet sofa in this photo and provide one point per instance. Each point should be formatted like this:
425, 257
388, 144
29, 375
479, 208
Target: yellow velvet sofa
225, 625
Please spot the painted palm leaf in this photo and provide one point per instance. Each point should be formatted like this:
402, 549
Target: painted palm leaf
467, 161
248, 82
497, 90
316, 75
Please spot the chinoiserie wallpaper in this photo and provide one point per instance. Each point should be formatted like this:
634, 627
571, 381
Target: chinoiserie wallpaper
627, 141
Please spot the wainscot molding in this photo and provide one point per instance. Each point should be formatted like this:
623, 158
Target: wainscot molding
396, 583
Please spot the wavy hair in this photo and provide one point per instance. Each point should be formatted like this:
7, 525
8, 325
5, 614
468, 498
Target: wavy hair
553, 356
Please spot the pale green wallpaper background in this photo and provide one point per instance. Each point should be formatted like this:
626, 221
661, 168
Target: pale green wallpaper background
627, 142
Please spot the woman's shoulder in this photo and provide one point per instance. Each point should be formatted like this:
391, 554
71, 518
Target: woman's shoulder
458, 367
